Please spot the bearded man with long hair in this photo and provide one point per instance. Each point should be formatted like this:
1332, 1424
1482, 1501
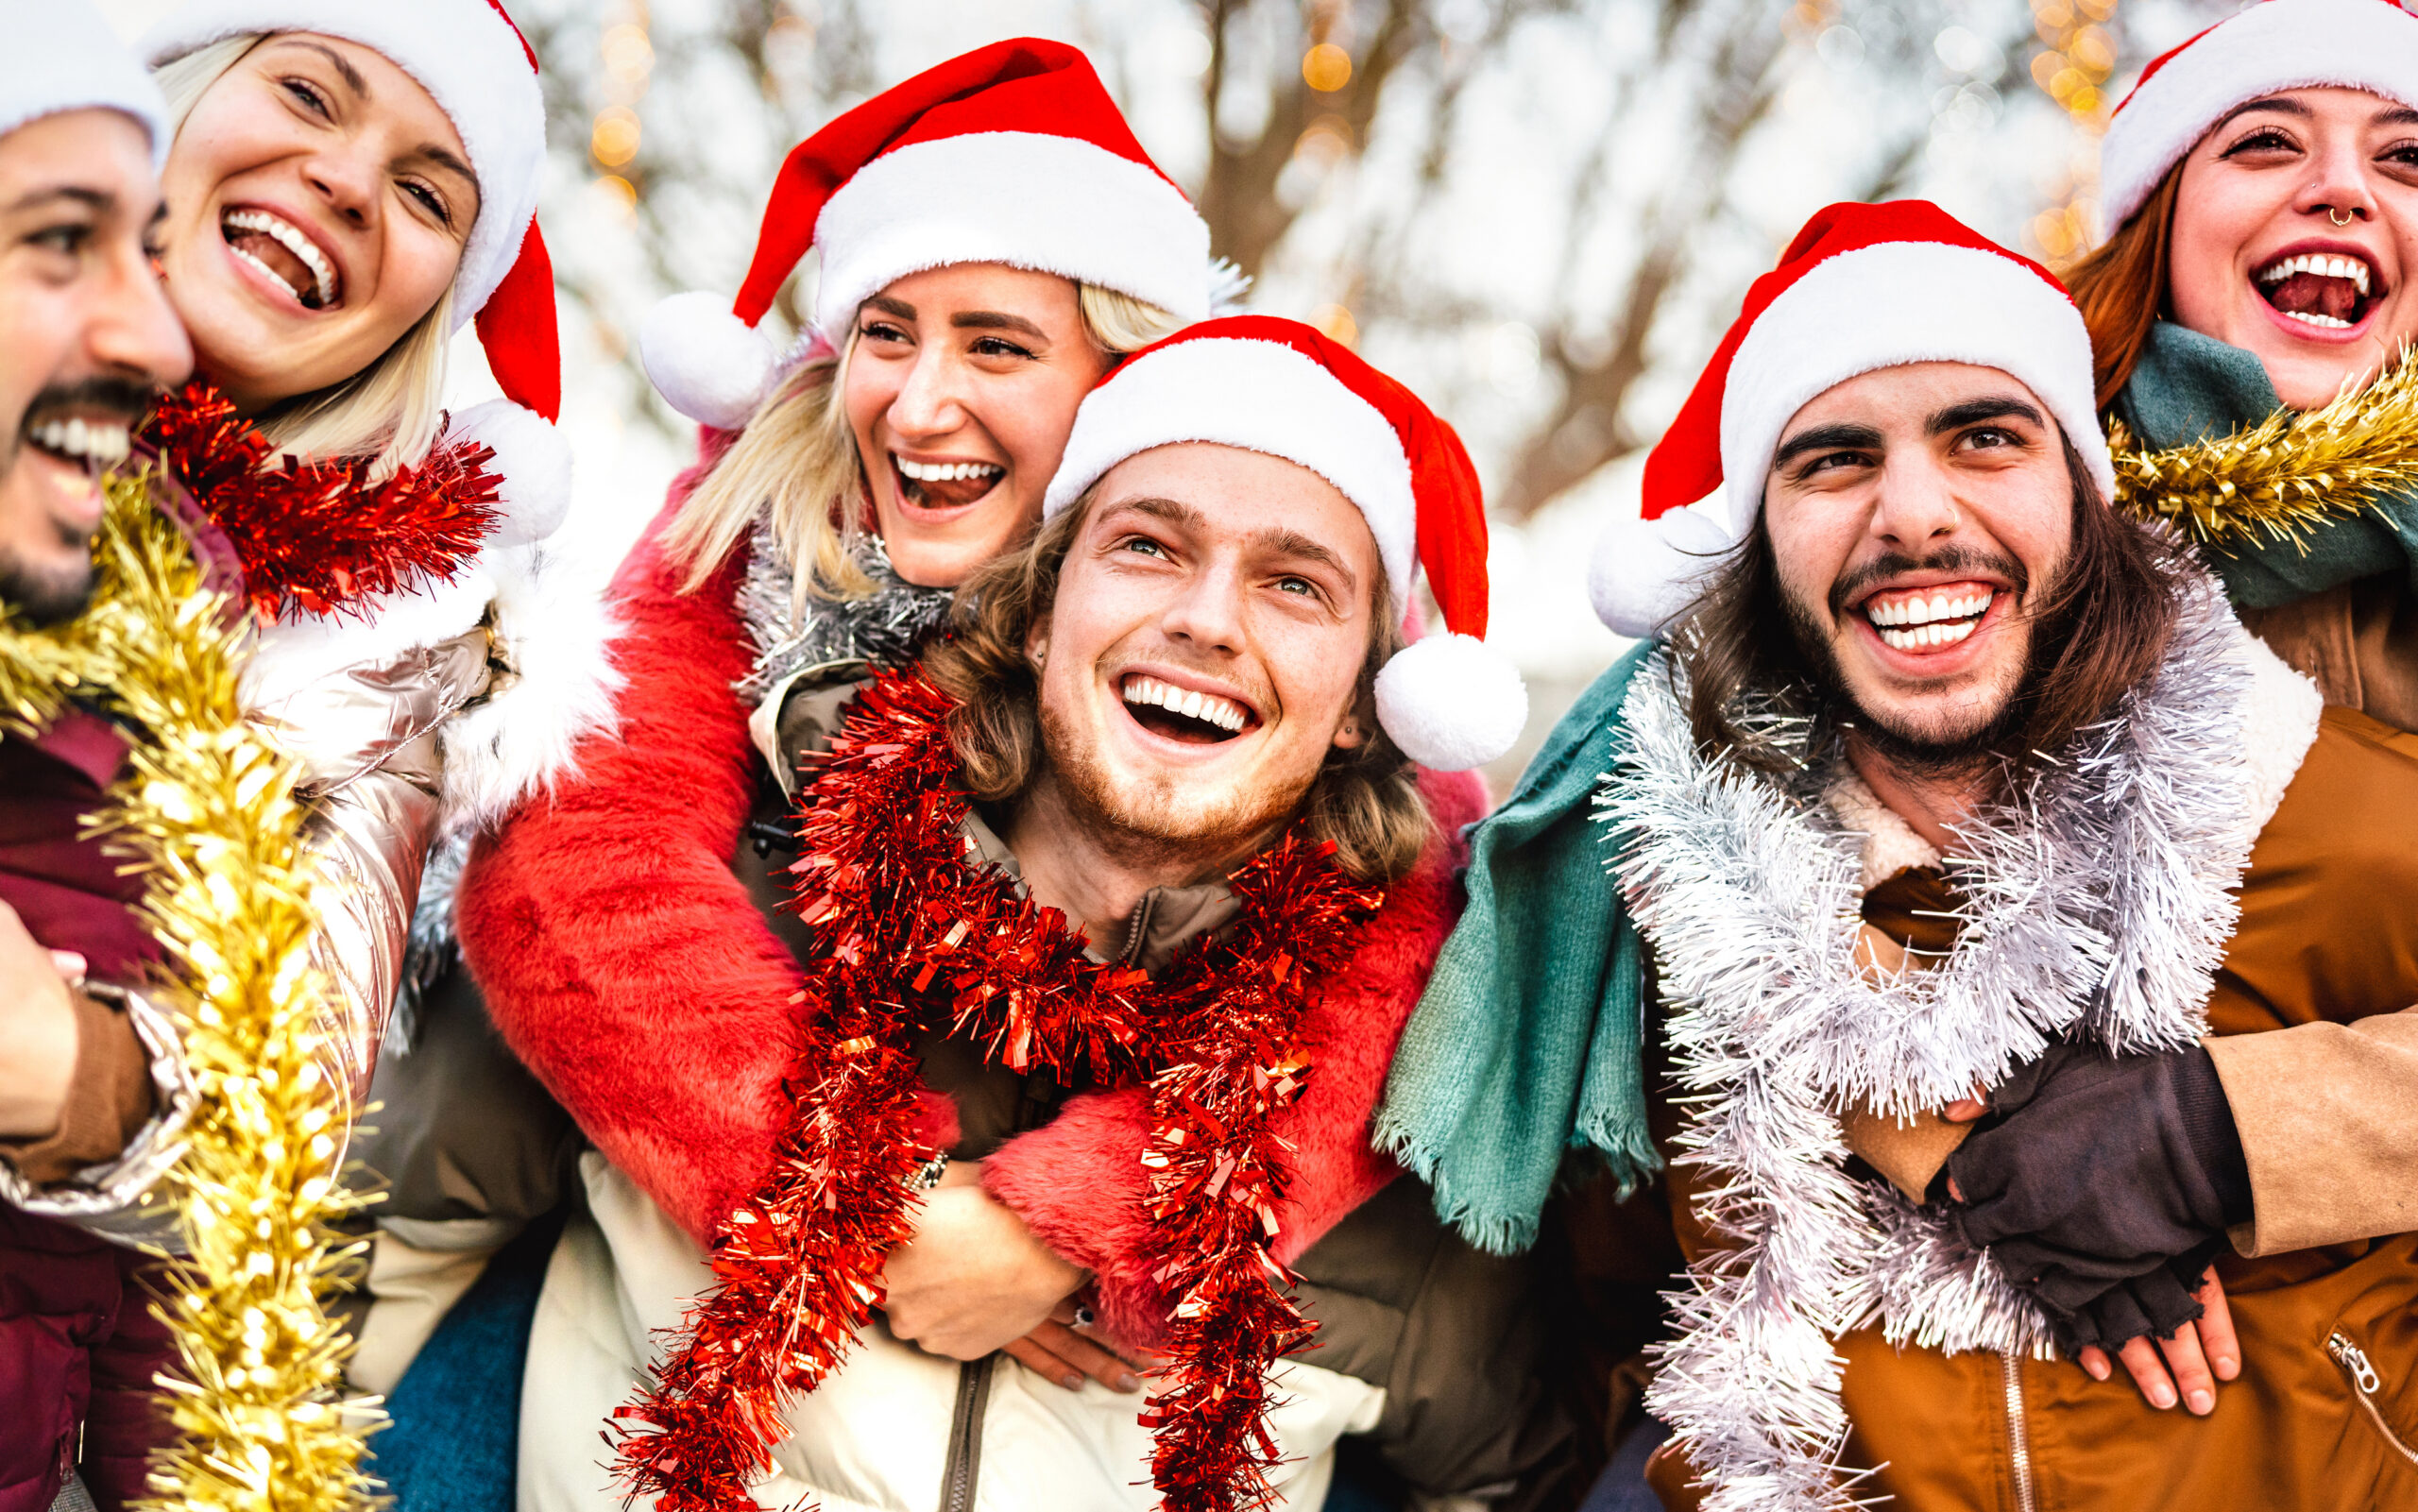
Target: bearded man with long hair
2003, 955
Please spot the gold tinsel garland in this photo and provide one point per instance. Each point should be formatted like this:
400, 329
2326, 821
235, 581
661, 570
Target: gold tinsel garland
207, 810
2290, 473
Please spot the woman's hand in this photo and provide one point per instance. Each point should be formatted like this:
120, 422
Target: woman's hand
974, 1279
1061, 1350
2185, 1368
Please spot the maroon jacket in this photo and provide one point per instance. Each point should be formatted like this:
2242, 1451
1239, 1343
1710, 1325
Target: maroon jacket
78, 1343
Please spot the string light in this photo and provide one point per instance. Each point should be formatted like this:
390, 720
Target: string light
614, 136
2076, 58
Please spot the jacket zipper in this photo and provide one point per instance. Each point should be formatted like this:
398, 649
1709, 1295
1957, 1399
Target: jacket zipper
2364, 1384
965, 1434
2018, 1438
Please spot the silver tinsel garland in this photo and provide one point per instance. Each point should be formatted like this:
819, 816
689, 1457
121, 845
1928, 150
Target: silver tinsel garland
2096, 901
889, 626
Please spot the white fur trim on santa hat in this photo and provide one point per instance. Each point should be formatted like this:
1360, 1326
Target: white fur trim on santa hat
532, 459
707, 362
470, 61
61, 55
1261, 396
1450, 701
1885, 306
1646, 572
2267, 48
1031, 200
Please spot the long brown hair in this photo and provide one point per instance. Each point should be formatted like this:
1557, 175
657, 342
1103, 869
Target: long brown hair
1364, 799
2121, 288
2101, 628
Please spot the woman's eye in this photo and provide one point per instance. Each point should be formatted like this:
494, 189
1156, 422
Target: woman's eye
2400, 155
2266, 138
880, 331
995, 346
1832, 461
308, 93
430, 200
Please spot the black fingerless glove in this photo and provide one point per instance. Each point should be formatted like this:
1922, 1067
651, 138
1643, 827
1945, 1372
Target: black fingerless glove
2103, 1185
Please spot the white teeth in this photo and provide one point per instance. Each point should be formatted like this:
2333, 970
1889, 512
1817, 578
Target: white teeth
1924, 611
1923, 636
93, 440
2325, 268
290, 237
2312, 319
946, 471
1208, 707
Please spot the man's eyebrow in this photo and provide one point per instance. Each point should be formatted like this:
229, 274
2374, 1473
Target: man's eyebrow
1840, 437
1281, 542
1173, 511
2274, 102
898, 308
99, 200
995, 320
1974, 411
345, 70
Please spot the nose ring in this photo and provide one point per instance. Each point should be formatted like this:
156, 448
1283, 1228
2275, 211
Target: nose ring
2340, 217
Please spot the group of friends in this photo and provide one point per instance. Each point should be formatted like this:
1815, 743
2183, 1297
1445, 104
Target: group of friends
981, 974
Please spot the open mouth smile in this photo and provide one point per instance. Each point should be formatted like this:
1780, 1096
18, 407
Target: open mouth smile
92, 444
2328, 291
944, 485
1928, 619
1188, 715
285, 254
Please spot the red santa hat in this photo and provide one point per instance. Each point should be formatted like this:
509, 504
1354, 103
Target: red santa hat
480, 70
1278, 386
1863, 287
2265, 49
61, 55
1012, 153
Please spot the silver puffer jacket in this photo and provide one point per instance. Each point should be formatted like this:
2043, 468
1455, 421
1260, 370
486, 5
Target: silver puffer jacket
433, 712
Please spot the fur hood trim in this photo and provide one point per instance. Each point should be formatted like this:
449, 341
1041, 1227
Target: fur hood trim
552, 684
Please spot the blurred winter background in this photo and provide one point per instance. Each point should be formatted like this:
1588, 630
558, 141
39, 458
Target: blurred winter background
1541, 214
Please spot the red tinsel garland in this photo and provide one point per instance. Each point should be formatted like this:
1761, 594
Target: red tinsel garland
906, 930
316, 538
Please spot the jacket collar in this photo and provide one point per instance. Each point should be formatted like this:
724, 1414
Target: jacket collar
1167, 919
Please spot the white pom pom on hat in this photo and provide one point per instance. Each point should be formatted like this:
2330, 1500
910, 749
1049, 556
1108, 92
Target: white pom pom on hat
706, 361
1278, 386
1012, 153
1645, 572
1861, 287
532, 460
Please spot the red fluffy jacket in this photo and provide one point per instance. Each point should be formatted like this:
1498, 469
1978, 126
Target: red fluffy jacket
629, 968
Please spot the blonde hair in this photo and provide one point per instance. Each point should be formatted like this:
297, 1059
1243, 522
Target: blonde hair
796, 460
390, 411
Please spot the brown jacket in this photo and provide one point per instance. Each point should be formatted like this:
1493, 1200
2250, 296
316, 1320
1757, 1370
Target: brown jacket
2327, 950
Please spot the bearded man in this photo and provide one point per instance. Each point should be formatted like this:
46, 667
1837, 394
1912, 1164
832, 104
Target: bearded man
1946, 817
90, 1086
1102, 923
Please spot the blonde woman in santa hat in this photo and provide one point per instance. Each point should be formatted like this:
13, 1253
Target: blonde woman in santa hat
349, 183
2262, 180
